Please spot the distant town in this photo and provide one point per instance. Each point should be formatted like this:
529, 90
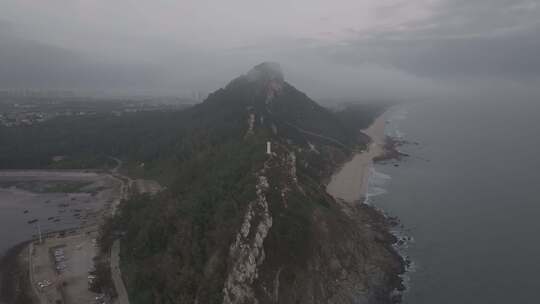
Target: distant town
29, 107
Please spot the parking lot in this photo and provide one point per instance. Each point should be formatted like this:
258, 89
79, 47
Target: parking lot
61, 268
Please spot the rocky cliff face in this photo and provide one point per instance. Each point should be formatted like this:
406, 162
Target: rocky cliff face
312, 253
247, 251
272, 234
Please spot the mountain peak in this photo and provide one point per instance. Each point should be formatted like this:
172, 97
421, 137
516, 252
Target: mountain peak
266, 71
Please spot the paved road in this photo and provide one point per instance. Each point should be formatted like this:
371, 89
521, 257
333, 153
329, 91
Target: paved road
41, 299
125, 183
117, 275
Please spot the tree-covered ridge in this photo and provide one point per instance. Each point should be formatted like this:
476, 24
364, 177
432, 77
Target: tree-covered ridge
176, 244
163, 139
235, 223
239, 225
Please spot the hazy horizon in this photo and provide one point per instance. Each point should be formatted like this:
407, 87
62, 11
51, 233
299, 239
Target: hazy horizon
391, 49
385, 152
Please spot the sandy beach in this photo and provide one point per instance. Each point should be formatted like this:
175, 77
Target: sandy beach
350, 182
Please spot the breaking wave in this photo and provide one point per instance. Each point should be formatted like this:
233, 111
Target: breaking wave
395, 117
377, 182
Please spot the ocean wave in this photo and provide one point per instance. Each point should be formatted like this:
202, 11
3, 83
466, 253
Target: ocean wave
376, 191
395, 117
377, 182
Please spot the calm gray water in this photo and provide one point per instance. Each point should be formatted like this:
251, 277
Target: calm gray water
54, 211
468, 195
14, 227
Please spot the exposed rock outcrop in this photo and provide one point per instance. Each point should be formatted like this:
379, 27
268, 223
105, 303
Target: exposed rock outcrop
247, 252
250, 227
290, 249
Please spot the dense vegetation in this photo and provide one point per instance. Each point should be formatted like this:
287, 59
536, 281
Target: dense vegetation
87, 141
178, 233
161, 140
358, 116
176, 245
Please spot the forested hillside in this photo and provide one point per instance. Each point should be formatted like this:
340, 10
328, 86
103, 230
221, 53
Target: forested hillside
240, 226
235, 225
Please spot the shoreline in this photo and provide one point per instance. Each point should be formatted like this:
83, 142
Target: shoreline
14, 281
17, 282
350, 182
349, 185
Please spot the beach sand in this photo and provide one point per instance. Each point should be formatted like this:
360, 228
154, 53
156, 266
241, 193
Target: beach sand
350, 182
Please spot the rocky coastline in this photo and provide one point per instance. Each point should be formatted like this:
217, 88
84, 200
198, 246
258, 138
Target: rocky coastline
391, 150
349, 186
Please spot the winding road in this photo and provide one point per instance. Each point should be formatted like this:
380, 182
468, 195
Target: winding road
116, 274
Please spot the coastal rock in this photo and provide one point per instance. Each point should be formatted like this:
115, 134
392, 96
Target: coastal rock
391, 151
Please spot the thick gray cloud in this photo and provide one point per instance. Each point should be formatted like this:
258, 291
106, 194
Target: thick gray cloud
463, 39
373, 49
31, 64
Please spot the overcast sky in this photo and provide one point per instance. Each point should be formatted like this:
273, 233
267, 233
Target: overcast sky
383, 49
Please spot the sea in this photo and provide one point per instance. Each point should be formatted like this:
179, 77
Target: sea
19, 207
25, 214
468, 201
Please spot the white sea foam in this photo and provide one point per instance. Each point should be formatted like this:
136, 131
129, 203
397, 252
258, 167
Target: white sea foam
377, 182
375, 191
395, 117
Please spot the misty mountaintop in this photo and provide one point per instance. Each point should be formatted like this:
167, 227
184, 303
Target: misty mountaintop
237, 221
233, 221
266, 71
158, 137
278, 106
